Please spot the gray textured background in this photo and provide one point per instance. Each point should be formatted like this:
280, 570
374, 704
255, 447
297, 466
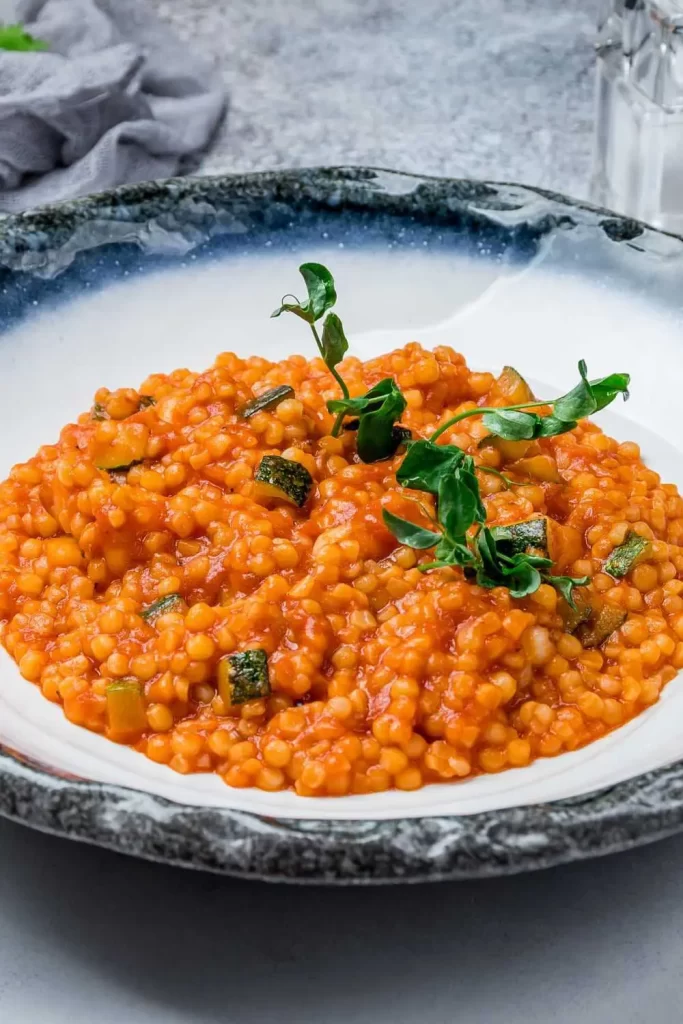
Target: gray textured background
481, 88
89, 936
488, 88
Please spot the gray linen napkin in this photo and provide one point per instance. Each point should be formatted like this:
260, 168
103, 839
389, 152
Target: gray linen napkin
117, 98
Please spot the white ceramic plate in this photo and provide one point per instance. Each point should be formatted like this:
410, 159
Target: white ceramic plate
541, 304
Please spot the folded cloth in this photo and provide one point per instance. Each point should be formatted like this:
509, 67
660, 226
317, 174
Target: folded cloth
115, 98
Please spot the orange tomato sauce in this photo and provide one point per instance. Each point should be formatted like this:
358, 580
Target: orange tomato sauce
381, 676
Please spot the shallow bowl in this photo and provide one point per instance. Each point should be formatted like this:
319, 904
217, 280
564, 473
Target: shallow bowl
105, 290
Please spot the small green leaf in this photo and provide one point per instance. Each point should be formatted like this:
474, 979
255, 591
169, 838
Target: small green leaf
518, 572
377, 411
425, 463
450, 553
321, 294
487, 551
565, 585
454, 552
377, 438
13, 37
590, 396
523, 557
459, 500
456, 506
511, 424
524, 581
410, 534
298, 308
373, 399
606, 389
350, 405
319, 282
334, 341
579, 402
550, 426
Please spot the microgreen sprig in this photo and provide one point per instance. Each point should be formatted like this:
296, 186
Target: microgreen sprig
379, 410
460, 536
322, 295
448, 473
513, 424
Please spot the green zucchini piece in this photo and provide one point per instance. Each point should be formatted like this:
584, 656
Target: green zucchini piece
529, 534
600, 626
243, 677
159, 607
119, 469
283, 478
125, 708
268, 400
573, 617
623, 558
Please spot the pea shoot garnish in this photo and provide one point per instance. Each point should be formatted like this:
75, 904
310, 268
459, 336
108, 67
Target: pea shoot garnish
376, 412
486, 555
513, 424
490, 555
448, 473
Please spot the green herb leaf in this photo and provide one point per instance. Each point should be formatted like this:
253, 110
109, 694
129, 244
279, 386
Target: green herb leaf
321, 294
334, 341
298, 308
550, 426
459, 500
590, 396
377, 411
511, 424
373, 399
565, 585
525, 580
13, 37
425, 464
408, 533
486, 549
450, 553
579, 402
518, 572
606, 389
319, 282
454, 552
377, 438
160, 606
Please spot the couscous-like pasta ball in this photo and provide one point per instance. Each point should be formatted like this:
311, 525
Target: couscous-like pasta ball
173, 591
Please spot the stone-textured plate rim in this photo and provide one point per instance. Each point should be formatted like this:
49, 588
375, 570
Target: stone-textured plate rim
641, 810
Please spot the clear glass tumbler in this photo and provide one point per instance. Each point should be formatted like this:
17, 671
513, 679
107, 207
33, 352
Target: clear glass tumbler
638, 164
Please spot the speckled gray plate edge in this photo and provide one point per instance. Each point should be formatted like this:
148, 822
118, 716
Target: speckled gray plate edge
177, 215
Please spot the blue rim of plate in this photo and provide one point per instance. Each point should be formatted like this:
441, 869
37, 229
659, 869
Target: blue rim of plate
49, 252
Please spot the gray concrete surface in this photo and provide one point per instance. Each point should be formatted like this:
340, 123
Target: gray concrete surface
482, 88
89, 935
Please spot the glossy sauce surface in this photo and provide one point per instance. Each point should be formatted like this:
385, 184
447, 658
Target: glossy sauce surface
381, 676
